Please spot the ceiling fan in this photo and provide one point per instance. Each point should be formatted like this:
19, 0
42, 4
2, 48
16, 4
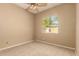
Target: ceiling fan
35, 6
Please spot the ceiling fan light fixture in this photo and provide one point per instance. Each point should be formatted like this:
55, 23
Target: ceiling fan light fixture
35, 6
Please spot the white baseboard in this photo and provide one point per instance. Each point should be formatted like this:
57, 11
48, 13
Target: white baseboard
55, 44
38, 41
16, 45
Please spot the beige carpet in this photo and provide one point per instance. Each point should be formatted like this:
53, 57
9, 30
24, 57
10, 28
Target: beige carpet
37, 49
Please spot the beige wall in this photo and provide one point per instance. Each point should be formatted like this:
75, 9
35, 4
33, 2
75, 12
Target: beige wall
77, 30
66, 35
16, 25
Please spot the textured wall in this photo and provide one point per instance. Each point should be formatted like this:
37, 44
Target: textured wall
67, 17
77, 30
16, 25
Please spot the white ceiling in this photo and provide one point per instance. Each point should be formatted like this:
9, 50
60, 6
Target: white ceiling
49, 5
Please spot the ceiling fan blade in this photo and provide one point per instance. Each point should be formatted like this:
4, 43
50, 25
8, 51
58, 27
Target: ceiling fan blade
42, 4
37, 10
28, 8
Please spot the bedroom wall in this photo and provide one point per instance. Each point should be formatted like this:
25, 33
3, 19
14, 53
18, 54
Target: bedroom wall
16, 25
66, 36
77, 29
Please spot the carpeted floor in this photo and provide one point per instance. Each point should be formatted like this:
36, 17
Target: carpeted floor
37, 49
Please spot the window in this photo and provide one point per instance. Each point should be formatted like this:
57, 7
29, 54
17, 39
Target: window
50, 24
